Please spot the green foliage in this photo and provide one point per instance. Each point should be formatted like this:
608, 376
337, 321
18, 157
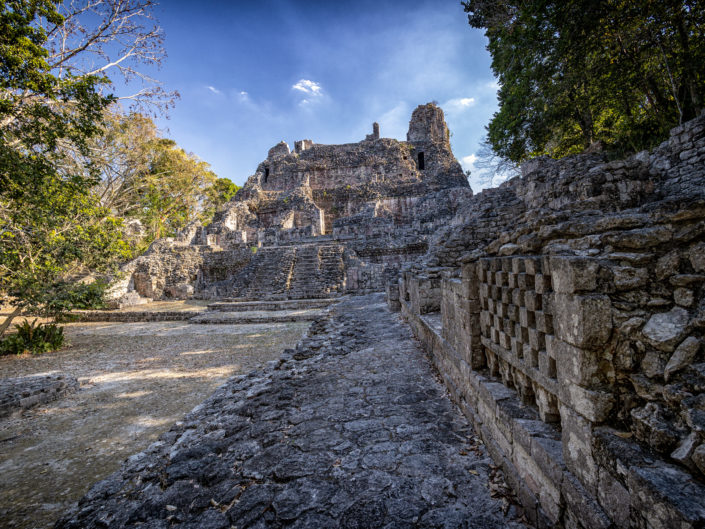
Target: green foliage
149, 178
220, 194
33, 338
580, 74
52, 229
63, 297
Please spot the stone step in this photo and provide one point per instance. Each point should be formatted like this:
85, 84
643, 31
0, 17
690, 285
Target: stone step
233, 305
218, 317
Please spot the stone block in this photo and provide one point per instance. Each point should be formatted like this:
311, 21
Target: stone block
666, 329
593, 405
629, 278
576, 434
576, 364
547, 404
583, 505
614, 499
526, 317
548, 454
696, 255
685, 450
698, 457
542, 283
666, 496
544, 322
547, 365
573, 274
583, 321
683, 297
532, 300
683, 356
532, 265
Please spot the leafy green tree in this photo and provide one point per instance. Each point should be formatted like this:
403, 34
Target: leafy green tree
52, 229
149, 178
174, 189
579, 74
218, 195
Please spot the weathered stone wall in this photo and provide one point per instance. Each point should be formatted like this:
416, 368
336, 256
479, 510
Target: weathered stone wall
568, 323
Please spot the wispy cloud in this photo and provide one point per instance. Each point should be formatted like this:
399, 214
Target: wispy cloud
459, 104
214, 90
395, 122
308, 87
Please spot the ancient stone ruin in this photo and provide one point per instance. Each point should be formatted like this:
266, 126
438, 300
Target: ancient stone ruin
319, 221
564, 310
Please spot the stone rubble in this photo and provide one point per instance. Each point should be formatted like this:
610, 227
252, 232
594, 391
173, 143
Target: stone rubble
21, 393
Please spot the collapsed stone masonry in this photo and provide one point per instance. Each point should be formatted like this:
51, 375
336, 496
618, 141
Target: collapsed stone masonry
565, 311
316, 222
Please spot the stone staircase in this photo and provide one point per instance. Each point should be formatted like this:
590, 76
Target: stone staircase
304, 272
318, 272
267, 274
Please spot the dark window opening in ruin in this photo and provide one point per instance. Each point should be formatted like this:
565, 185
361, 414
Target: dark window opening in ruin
422, 164
266, 174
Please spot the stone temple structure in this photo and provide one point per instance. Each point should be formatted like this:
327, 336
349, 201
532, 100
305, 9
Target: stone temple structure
564, 310
315, 222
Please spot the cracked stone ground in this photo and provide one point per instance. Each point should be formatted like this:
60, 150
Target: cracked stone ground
350, 430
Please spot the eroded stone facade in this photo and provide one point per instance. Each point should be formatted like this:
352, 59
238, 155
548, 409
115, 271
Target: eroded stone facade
319, 221
566, 311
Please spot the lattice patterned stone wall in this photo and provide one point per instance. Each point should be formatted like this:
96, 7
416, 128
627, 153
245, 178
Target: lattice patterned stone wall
516, 321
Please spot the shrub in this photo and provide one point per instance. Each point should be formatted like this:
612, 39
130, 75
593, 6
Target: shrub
33, 338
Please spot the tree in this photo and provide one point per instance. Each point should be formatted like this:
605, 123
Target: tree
52, 228
174, 189
578, 74
218, 195
147, 177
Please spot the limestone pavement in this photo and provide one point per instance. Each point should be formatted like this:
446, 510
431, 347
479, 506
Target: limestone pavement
351, 430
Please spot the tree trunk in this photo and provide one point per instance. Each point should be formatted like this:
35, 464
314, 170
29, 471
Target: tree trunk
693, 102
8, 320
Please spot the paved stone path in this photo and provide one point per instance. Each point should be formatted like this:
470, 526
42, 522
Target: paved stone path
349, 430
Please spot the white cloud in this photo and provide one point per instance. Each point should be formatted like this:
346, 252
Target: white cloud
459, 104
214, 90
244, 94
468, 162
307, 87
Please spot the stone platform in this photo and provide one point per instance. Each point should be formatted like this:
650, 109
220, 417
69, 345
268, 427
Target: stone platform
351, 429
222, 312
21, 393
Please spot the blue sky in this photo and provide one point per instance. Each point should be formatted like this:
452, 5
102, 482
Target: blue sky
253, 73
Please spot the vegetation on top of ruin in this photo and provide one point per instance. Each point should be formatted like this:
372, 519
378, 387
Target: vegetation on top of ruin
578, 74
